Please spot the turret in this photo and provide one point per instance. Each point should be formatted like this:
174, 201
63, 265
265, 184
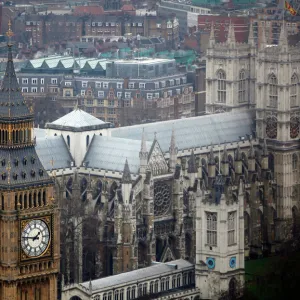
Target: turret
283, 41
231, 36
238, 161
143, 155
192, 168
211, 163
173, 153
224, 163
263, 40
126, 184
251, 158
212, 39
265, 156
251, 40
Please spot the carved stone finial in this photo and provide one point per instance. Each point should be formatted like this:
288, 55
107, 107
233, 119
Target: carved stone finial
192, 167
126, 178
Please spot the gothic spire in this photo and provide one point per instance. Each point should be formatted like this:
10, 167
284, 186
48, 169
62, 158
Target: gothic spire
251, 40
263, 40
212, 39
211, 158
12, 104
231, 36
283, 41
265, 148
238, 154
192, 167
126, 178
173, 148
251, 150
143, 145
225, 155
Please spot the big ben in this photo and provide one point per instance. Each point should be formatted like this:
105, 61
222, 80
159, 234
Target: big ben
29, 232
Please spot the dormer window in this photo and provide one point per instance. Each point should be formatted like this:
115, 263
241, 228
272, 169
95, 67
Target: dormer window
25, 161
32, 173
23, 175
3, 162
32, 159
15, 176
3, 175
16, 162
41, 172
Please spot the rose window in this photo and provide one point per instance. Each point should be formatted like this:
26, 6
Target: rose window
161, 199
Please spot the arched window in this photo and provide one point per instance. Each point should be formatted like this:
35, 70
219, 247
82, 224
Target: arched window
156, 286
242, 87
293, 91
211, 229
178, 280
162, 285
295, 162
97, 297
273, 91
174, 282
128, 293
151, 287
221, 86
68, 141
116, 297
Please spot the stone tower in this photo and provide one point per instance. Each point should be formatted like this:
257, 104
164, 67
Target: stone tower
29, 232
220, 240
277, 115
230, 73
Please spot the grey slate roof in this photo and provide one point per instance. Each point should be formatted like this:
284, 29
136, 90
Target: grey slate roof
53, 148
25, 168
12, 104
110, 153
137, 275
193, 132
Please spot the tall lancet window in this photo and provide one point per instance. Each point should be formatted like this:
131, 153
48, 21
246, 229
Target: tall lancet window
231, 228
211, 219
221, 86
273, 91
242, 87
293, 91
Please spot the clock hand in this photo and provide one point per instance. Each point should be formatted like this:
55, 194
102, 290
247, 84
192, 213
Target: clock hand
28, 237
37, 236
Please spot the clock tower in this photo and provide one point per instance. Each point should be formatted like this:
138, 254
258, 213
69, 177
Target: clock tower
278, 122
29, 232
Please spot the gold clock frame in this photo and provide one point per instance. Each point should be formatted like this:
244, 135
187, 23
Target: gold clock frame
48, 251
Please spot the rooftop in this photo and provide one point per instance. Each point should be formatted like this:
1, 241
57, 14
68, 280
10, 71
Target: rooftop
137, 275
193, 132
78, 120
110, 153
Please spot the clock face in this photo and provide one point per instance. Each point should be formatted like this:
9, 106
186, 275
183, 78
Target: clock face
35, 238
271, 128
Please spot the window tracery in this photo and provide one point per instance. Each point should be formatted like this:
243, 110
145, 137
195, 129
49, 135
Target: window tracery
242, 86
211, 219
295, 162
162, 199
221, 86
293, 91
294, 127
273, 91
